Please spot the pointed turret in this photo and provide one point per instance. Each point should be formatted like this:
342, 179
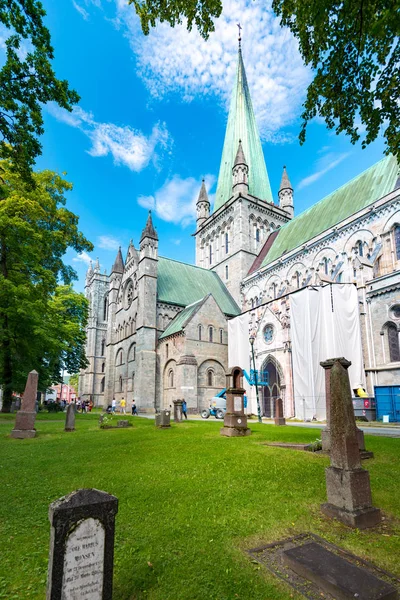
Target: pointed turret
118, 266
97, 265
242, 126
286, 194
240, 172
149, 231
202, 206
89, 272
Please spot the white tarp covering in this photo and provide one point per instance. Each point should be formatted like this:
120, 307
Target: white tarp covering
238, 342
324, 323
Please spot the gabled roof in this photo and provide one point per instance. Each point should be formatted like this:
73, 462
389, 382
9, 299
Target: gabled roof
242, 126
181, 320
371, 185
182, 284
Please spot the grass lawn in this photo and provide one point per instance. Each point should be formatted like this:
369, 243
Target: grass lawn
191, 503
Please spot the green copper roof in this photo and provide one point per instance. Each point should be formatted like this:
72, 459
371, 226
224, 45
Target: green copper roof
369, 186
181, 319
182, 284
242, 126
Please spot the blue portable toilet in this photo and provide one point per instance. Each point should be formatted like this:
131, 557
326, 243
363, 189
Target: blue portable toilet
387, 402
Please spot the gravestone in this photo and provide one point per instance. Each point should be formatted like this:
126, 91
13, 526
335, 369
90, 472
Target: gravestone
163, 419
325, 433
279, 418
81, 557
25, 419
177, 411
235, 420
123, 423
347, 484
70, 418
335, 575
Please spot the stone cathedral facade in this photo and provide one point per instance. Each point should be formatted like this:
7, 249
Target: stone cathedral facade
158, 329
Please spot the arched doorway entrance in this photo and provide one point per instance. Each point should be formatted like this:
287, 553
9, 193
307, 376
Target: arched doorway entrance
270, 371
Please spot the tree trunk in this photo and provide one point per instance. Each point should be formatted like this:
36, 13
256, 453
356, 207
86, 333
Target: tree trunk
6, 366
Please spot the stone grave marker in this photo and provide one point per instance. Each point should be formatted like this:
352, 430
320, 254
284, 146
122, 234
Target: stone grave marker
178, 411
163, 419
70, 418
279, 418
235, 420
81, 557
325, 433
347, 484
25, 418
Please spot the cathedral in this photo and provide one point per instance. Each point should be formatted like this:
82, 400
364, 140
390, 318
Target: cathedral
160, 329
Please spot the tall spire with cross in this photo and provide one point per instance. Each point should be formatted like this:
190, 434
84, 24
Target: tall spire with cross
242, 126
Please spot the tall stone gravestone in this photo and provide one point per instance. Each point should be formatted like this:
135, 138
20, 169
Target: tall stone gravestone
81, 557
279, 419
235, 421
347, 484
70, 418
25, 419
178, 411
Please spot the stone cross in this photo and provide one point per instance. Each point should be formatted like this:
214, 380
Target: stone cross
25, 419
81, 557
347, 484
70, 418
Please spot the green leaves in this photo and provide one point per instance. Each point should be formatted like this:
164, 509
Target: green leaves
354, 49
42, 322
27, 81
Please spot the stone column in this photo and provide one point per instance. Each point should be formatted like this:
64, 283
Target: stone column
177, 411
347, 484
25, 418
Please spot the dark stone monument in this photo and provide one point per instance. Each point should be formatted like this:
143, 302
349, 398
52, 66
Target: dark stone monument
325, 433
279, 418
178, 411
81, 557
235, 421
163, 419
335, 575
347, 484
70, 418
25, 418
123, 423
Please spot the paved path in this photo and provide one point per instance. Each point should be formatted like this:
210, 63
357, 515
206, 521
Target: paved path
392, 431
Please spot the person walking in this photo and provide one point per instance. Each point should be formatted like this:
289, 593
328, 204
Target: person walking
113, 405
122, 406
134, 409
184, 408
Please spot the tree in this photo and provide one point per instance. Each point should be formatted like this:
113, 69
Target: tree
74, 381
352, 46
41, 323
27, 81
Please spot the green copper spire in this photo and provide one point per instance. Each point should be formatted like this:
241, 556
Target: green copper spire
242, 126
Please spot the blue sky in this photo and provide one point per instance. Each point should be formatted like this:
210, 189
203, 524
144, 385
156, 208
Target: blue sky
152, 117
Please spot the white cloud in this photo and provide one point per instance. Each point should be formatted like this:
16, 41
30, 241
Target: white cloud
176, 241
108, 242
323, 165
128, 146
173, 60
83, 257
84, 13
175, 201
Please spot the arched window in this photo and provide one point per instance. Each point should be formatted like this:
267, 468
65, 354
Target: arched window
226, 272
221, 336
102, 384
210, 333
325, 263
252, 302
226, 243
210, 377
103, 366
359, 247
132, 352
257, 235
210, 253
397, 241
298, 279
120, 384
119, 357
393, 341
200, 333
133, 382
274, 287
105, 309
103, 346
171, 378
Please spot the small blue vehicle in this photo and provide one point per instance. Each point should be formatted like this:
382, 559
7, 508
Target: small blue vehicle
217, 406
